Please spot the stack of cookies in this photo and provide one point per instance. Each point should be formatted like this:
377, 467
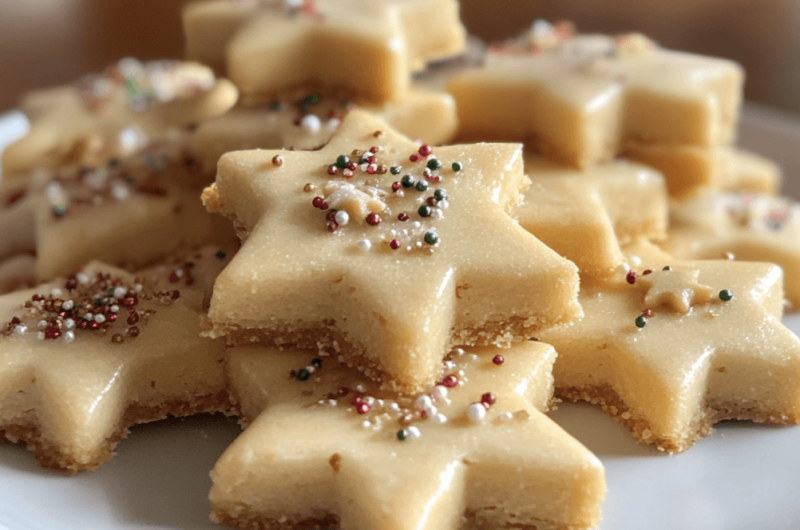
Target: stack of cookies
387, 268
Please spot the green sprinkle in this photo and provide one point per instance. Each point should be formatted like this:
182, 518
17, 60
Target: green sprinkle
402, 434
274, 105
312, 98
641, 321
440, 194
421, 185
425, 210
457, 166
342, 161
434, 164
407, 181
725, 295
394, 170
303, 375
431, 237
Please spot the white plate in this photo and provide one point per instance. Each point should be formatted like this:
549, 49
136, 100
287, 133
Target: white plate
743, 477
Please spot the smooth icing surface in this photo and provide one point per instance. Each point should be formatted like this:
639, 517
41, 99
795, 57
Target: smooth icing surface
309, 120
589, 97
696, 360
750, 226
692, 170
511, 467
131, 212
393, 294
114, 114
369, 47
84, 358
584, 215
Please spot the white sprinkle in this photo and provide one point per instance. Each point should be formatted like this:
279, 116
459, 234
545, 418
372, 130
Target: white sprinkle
459, 352
40, 335
443, 204
364, 244
179, 273
137, 287
379, 403
394, 407
476, 412
69, 323
449, 365
437, 214
366, 424
342, 218
439, 418
119, 191
56, 293
416, 224
361, 388
88, 316
69, 336
99, 318
69, 304
42, 324
424, 402
292, 4
332, 403
472, 357
440, 392
507, 416
311, 369
333, 124
20, 329
311, 123
82, 278
413, 432
461, 373
119, 292
369, 400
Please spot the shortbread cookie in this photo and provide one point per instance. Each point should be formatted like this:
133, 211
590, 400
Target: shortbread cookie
368, 47
88, 356
691, 170
584, 215
673, 347
131, 212
751, 227
309, 120
584, 99
327, 448
388, 250
114, 114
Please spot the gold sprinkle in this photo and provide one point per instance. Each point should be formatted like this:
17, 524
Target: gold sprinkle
357, 153
382, 169
309, 187
116, 338
378, 134
728, 255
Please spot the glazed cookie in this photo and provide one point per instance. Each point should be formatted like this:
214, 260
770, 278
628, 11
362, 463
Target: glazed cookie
692, 170
114, 114
389, 252
585, 215
675, 346
132, 212
309, 119
474, 451
584, 99
752, 227
86, 357
268, 47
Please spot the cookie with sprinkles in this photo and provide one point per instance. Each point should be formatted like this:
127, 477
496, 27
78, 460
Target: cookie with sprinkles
672, 347
307, 120
585, 215
368, 47
387, 249
745, 226
583, 99
87, 356
474, 450
130, 212
114, 114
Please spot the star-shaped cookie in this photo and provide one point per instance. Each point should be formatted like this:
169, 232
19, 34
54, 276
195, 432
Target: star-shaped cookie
668, 375
114, 114
693, 170
86, 357
584, 215
587, 98
368, 47
308, 120
330, 449
750, 226
388, 250
131, 212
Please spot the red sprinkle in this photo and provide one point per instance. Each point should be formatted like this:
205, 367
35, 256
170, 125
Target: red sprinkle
630, 277
395, 244
323, 206
450, 381
356, 400
433, 178
362, 408
432, 201
402, 216
317, 202
648, 271
332, 226
347, 173
498, 360
373, 149
425, 150
352, 166
414, 157
396, 186
332, 170
488, 399
373, 219
648, 313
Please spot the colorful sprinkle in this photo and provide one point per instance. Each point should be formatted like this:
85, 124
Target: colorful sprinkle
725, 295
457, 166
641, 321
498, 360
